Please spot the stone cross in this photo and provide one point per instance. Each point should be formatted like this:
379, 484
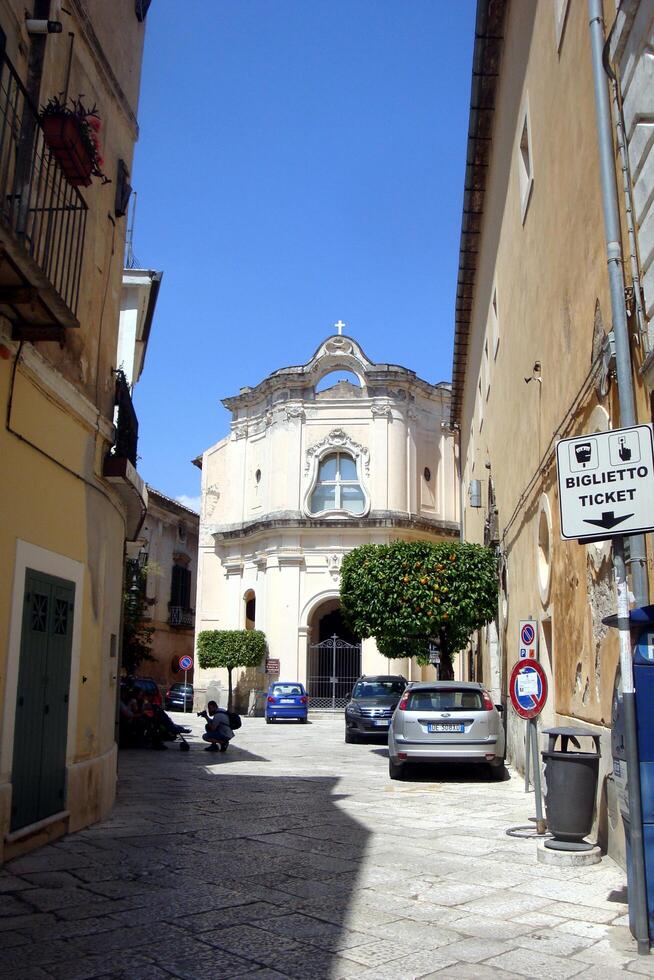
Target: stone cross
339, 326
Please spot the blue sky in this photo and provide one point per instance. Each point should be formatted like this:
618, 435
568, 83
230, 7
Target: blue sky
300, 162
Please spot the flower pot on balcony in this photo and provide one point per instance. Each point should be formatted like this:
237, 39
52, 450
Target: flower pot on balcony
64, 138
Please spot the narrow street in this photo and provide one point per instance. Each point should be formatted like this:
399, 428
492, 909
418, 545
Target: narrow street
295, 855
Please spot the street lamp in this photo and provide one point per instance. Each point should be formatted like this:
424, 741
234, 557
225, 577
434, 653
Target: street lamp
134, 567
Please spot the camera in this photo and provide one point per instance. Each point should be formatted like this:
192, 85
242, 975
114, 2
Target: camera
202, 714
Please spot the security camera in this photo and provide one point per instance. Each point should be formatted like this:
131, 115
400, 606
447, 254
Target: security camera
43, 26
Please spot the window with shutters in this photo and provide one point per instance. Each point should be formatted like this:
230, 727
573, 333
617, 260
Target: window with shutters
180, 612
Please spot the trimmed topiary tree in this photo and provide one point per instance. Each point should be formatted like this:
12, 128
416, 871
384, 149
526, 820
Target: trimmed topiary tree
229, 649
409, 593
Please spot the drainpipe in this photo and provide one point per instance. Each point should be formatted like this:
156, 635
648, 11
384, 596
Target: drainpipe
638, 894
621, 142
614, 261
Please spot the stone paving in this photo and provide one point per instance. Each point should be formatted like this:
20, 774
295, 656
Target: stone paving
294, 855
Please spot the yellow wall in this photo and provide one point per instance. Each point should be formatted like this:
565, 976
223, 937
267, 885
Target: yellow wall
59, 515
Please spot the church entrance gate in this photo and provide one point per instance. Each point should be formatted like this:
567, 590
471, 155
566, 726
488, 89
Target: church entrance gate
334, 666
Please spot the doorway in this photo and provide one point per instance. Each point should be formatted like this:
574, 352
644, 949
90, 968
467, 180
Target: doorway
41, 728
334, 659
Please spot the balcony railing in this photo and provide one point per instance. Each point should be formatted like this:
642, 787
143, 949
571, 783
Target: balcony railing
42, 221
180, 617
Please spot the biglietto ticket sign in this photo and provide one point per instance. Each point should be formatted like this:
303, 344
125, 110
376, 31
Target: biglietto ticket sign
606, 483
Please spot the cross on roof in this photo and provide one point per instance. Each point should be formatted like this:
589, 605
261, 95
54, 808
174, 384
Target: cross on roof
339, 326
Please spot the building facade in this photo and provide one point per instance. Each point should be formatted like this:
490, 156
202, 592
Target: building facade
306, 474
534, 358
70, 492
169, 542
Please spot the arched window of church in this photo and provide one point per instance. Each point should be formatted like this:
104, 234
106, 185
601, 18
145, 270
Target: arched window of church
337, 486
250, 601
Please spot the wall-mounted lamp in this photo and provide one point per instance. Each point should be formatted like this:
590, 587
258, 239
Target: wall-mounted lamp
535, 374
43, 26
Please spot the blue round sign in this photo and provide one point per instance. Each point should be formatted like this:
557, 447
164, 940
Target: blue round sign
185, 663
527, 634
528, 688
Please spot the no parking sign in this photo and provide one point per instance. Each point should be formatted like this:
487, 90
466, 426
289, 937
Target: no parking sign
528, 640
528, 688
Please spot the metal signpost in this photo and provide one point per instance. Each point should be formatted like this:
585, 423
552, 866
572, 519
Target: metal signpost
606, 483
528, 693
606, 490
185, 663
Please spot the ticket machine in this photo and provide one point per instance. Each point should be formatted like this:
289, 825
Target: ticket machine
642, 622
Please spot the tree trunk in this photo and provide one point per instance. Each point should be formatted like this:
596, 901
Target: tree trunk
229, 688
446, 672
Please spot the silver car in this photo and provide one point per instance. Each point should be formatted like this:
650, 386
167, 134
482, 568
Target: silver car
446, 721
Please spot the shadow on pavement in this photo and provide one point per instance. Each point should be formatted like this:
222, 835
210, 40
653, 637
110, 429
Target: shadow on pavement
198, 872
446, 773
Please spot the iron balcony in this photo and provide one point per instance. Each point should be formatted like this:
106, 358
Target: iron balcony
42, 222
181, 618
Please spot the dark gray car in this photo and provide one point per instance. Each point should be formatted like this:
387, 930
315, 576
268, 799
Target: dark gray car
371, 705
179, 697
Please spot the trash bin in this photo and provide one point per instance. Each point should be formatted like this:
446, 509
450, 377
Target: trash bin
571, 784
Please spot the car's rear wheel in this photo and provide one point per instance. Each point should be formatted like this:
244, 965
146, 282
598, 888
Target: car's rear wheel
350, 736
303, 721
497, 772
269, 721
396, 770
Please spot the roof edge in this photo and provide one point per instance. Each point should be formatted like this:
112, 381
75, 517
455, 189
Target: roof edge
486, 58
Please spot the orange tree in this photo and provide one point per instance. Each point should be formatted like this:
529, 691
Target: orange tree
230, 649
408, 594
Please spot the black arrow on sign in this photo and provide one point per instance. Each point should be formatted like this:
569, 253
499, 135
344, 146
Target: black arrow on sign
608, 520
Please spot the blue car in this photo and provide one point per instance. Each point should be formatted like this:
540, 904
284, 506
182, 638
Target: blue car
287, 699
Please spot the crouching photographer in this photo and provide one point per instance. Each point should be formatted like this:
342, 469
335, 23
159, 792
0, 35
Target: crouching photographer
218, 729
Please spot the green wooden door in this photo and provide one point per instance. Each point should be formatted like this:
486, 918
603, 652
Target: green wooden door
40, 734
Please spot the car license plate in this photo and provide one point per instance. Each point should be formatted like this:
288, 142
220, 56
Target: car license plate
445, 728
381, 721
286, 701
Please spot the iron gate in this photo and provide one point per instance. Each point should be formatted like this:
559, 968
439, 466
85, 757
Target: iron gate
334, 666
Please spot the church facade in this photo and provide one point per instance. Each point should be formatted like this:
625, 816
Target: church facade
305, 474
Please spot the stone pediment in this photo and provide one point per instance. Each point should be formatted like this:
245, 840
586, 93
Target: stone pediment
336, 353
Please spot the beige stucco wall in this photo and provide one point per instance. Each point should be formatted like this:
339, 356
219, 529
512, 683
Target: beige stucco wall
543, 270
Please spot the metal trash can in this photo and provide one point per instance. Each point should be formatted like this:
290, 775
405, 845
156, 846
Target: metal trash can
571, 785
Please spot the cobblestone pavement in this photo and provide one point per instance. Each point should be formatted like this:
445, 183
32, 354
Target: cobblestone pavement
294, 855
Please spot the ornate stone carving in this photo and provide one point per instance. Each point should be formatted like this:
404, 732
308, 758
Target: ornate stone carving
239, 431
294, 412
334, 563
211, 498
338, 345
381, 410
338, 439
